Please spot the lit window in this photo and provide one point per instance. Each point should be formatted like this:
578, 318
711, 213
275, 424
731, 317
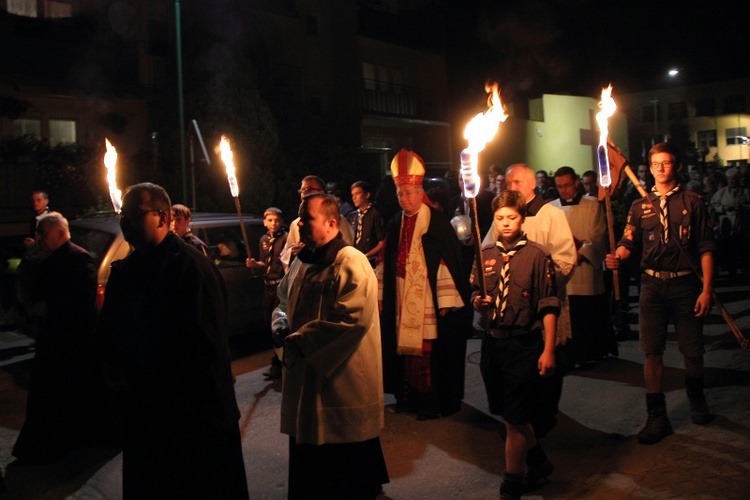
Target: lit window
62, 132
26, 126
22, 8
737, 136
707, 139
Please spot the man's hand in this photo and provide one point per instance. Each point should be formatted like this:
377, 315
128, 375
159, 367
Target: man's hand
612, 261
546, 363
253, 264
481, 303
296, 247
703, 304
278, 336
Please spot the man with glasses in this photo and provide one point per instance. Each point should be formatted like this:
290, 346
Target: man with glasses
591, 326
424, 301
163, 331
311, 184
672, 228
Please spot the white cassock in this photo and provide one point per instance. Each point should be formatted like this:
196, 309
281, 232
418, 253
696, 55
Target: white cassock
589, 226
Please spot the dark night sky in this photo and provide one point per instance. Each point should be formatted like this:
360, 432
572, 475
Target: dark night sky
578, 46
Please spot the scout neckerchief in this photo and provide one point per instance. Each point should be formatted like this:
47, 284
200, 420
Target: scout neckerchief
664, 213
269, 247
502, 294
360, 215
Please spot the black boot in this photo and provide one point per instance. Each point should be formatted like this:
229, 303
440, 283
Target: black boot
657, 426
699, 412
538, 468
512, 486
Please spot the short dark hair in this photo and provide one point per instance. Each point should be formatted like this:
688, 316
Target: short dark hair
566, 171
588, 173
158, 197
329, 206
314, 178
273, 210
42, 192
665, 147
510, 199
364, 185
179, 210
496, 169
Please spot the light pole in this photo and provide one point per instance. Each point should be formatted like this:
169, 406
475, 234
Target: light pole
180, 105
655, 102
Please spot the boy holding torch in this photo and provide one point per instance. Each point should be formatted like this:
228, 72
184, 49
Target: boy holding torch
673, 230
518, 348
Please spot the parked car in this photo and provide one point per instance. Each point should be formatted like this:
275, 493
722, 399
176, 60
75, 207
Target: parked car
100, 234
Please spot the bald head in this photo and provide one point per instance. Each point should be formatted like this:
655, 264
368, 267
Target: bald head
522, 178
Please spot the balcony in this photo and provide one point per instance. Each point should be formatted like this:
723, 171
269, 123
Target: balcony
395, 100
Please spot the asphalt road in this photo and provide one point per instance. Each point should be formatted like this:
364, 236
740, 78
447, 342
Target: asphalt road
593, 447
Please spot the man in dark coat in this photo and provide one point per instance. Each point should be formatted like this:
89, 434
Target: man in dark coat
65, 400
424, 302
166, 355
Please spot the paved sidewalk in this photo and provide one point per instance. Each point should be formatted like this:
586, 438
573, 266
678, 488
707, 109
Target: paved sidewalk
593, 447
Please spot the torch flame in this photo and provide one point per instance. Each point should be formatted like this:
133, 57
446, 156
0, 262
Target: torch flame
110, 161
228, 158
479, 131
608, 107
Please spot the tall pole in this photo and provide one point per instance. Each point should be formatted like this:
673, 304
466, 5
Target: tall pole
655, 102
180, 105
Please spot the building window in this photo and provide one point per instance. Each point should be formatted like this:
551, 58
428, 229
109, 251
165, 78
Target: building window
707, 139
737, 136
22, 8
677, 110
705, 107
57, 10
368, 76
734, 104
62, 132
25, 126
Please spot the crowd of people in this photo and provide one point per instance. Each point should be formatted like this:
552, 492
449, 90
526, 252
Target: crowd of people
370, 298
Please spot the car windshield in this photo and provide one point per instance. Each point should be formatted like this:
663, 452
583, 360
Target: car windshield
94, 241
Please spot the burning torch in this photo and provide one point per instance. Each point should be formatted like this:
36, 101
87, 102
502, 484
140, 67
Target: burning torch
228, 158
608, 107
110, 161
480, 130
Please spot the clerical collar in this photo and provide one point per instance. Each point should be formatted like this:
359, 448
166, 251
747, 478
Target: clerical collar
575, 201
324, 255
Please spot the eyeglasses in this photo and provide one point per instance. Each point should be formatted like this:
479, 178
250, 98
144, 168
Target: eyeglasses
309, 190
663, 164
137, 214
